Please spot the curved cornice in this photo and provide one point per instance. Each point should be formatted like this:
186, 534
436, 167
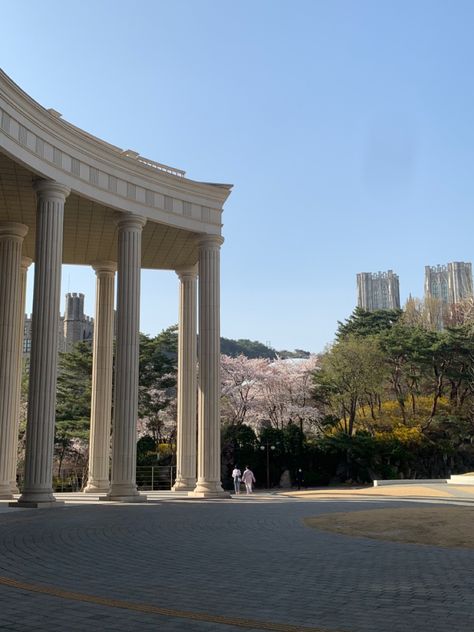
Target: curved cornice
55, 149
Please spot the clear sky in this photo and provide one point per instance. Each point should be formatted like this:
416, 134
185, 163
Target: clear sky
346, 127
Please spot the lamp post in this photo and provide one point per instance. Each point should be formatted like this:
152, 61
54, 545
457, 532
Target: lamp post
268, 446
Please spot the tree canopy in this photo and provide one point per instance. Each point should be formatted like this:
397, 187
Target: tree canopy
367, 323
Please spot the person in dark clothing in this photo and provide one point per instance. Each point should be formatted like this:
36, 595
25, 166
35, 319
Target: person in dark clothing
299, 477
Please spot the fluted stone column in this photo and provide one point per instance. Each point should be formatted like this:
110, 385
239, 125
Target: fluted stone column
38, 489
124, 431
209, 435
187, 394
102, 368
24, 265
11, 240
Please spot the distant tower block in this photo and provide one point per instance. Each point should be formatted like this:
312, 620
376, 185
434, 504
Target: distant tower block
459, 281
436, 283
449, 283
379, 290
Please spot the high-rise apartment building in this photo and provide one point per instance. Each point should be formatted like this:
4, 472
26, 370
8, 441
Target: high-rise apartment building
449, 283
436, 283
380, 290
74, 326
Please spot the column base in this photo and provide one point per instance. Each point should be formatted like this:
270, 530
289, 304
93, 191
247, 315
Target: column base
136, 498
6, 491
97, 487
208, 494
184, 485
209, 489
42, 497
213, 488
36, 504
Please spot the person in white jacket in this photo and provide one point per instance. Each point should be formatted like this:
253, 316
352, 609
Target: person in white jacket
236, 475
248, 478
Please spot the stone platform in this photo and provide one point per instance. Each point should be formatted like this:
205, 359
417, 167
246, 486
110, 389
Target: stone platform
180, 564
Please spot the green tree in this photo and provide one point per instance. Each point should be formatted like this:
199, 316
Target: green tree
460, 374
351, 373
73, 403
157, 384
362, 323
146, 451
408, 355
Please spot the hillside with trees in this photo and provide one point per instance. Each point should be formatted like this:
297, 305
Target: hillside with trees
254, 349
393, 397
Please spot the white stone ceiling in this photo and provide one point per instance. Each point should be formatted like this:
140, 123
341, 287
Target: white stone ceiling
89, 228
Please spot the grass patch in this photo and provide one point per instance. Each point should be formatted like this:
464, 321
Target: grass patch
436, 526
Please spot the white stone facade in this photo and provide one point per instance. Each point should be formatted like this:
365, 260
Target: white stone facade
82, 201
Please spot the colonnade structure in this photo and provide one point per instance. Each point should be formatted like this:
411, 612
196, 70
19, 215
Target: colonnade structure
68, 197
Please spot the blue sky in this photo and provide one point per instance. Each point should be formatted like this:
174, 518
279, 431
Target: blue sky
345, 126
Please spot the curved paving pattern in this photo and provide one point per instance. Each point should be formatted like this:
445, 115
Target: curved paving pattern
221, 566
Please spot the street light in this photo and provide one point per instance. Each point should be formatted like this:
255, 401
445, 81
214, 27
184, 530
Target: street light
267, 446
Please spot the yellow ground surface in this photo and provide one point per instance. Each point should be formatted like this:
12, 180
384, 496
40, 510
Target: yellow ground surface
388, 490
440, 525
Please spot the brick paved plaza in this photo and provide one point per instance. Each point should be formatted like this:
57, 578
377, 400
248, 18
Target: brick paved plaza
201, 566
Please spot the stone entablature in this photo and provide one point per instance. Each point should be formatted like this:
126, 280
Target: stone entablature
119, 179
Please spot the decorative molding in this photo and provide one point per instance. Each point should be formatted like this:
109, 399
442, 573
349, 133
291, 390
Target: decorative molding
57, 157
131, 191
94, 176
93, 162
112, 180
39, 148
206, 214
5, 121
149, 197
168, 203
22, 135
75, 167
91, 174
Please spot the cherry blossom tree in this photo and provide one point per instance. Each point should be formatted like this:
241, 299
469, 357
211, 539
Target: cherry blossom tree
241, 380
286, 394
262, 392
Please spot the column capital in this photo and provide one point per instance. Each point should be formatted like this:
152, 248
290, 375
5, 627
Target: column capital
51, 188
210, 241
187, 272
13, 229
25, 263
129, 220
101, 267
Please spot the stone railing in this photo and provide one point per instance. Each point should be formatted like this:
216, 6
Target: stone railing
134, 155
160, 167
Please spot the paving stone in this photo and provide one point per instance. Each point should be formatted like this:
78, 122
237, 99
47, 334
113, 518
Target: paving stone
248, 560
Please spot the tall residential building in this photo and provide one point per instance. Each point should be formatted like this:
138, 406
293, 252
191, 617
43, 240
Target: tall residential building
379, 290
74, 326
449, 283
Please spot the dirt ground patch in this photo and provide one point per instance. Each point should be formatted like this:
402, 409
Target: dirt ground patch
438, 526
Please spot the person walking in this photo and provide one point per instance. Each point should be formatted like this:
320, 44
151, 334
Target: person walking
299, 478
249, 479
236, 475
